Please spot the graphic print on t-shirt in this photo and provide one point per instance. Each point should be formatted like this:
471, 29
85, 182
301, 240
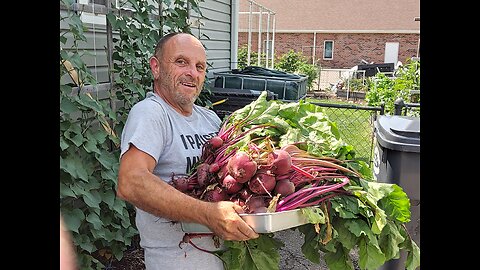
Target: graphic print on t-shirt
194, 142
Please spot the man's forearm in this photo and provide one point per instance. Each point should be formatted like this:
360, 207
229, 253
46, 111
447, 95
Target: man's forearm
153, 195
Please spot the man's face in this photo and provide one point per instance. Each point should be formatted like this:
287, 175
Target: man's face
182, 70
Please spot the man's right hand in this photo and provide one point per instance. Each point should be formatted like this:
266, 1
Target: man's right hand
224, 221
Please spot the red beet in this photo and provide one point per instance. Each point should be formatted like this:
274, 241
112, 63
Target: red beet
280, 161
202, 174
262, 182
255, 202
216, 195
231, 185
245, 193
284, 187
180, 182
241, 167
213, 168
216, 142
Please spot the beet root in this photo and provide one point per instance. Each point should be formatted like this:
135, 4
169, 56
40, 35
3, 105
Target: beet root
280, 161
284, 187
262, 183
241, 167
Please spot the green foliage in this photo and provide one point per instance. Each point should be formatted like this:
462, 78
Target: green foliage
383, 89
89, 127
295, 62
242, 56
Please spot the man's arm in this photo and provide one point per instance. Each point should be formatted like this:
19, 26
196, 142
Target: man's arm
138, 185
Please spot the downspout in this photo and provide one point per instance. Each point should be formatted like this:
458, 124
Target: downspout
314, 46
273, 40
234, 34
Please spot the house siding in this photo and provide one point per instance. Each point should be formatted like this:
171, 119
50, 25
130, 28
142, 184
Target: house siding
214, 32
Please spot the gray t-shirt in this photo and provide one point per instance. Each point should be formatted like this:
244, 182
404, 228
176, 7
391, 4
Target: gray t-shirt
175, 142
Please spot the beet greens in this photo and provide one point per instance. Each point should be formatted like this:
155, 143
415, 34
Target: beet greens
300, 162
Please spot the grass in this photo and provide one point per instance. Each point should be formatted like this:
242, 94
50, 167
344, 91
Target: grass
355, 126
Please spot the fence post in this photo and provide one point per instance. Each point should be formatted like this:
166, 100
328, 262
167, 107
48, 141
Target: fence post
399, 104
382, 108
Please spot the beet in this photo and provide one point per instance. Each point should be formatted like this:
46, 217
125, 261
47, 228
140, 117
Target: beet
241, 167
284, 187
180, 182
280, 161
216, 195
245, 193
213, 168
202, 174
262, 182
255, 202
216, 142
231, 185
222, 172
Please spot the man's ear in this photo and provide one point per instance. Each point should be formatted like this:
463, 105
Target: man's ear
155, 67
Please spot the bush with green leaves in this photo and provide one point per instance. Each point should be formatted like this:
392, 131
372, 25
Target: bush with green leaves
383, 89
295, 62
102, 225
242, 58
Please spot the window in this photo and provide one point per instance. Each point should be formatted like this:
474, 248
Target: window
328, 49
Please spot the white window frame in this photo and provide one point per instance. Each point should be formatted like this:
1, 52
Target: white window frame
324, 49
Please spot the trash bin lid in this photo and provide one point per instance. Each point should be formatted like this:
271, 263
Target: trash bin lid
401, 133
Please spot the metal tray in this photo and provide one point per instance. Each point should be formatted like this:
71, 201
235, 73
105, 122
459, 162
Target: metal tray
260, 223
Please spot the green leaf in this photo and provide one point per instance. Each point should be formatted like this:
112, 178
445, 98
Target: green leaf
66, 191
73, 219
345, 236
74, 166
63, 144
413, 257
91, 147
107, 159
370, 256
339, 260
314, 215
390, 240
310, 247
264, 252
92, 199
94, 219
67, 106
108, 197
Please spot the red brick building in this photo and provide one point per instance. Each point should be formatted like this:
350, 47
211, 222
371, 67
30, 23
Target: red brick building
335, 33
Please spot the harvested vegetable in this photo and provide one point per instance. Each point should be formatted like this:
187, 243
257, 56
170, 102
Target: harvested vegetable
300, 162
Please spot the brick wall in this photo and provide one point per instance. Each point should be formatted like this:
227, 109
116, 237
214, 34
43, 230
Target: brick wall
348, 49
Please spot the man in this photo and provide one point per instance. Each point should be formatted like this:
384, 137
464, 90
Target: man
163, 135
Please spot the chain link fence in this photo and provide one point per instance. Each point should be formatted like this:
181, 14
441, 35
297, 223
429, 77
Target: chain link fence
355, 124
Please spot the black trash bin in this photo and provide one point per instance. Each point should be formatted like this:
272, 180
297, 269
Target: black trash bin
397, 161
287, 86
230, 99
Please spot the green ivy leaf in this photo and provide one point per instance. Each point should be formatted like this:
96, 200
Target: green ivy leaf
108, 197
67, 106
94, 219
92, 199
74, 166
73, 219
66, 191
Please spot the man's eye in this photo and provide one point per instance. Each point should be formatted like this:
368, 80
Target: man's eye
201, 68
181, 62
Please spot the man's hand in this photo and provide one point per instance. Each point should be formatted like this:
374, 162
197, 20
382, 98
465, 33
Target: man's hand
224, 221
